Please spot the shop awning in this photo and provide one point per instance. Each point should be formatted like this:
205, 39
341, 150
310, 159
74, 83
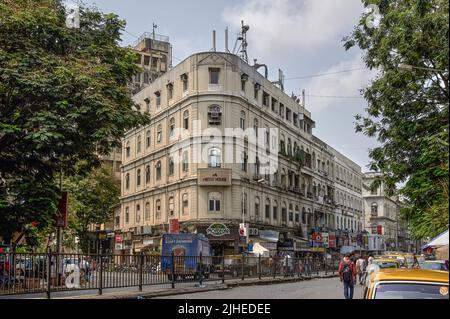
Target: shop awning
438, 241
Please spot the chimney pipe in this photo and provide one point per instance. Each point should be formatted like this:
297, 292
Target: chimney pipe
226, 40
303, 97
214, 40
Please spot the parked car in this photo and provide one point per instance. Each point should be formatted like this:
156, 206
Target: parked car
407, 284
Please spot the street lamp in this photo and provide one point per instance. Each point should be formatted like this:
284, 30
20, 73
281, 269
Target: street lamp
409, 67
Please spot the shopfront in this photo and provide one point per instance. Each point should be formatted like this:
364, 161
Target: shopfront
223, 238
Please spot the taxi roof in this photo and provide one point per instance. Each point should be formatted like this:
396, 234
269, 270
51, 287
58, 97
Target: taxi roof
410, 275
386, 259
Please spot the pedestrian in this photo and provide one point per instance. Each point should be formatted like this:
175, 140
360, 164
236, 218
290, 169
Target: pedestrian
347, 274
360, 268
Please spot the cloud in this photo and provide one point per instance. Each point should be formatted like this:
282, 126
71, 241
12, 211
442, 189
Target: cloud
300, 26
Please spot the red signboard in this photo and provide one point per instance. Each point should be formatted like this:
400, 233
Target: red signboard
332, 240
119, 239
174, 226
380, 230
61, 219
316, 237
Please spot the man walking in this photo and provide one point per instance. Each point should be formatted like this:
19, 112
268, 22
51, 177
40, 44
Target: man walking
347, 274
360, 268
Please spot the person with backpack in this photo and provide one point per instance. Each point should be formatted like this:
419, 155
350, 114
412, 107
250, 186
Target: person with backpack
347, 274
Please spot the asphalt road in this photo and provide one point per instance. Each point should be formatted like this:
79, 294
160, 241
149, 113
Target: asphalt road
328, 288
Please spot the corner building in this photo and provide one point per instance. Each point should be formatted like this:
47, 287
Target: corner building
220, 90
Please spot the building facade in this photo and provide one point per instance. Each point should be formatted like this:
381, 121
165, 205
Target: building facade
284, 186
382, 216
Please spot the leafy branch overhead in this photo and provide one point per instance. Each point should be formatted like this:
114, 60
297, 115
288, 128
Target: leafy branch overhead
63, 99
408, 109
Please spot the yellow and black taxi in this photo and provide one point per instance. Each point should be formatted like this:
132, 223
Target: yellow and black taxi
407, 284
384, 263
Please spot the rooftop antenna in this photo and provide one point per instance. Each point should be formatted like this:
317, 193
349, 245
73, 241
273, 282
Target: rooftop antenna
154, 27
242, 36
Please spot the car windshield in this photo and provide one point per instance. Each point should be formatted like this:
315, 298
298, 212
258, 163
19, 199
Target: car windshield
411, 291
433, 266
386, 264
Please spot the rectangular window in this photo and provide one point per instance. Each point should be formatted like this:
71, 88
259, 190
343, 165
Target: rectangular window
297, 218
117, 221
214, 75
267, 211
275, 212
288, 114
283, 214
282, 110
170, 91
256, 91
154, 62
266, 99
274, 105
291, 216
214, 205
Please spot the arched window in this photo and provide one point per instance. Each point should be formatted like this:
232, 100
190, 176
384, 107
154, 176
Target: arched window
171, 127
214, 157
138, 213
158, 209
242, 120
147, 174
244, 161
186, 120
158, 170
275, 210
283, 212
267, 208
185, 163
138, 177
127, 181
128, 149
171, 166
257, 207
291, 213
185, 204
147, 211
127, 214
214, 199
138, 147
267, 137
257, 166
159, 133
148, 139
171, 206
374, 209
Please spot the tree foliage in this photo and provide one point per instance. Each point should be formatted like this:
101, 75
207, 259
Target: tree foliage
91, 200
408, 109
63, 100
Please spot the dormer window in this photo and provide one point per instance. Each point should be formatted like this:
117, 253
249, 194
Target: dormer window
244, 79
170, 91
184, 78
214, 75
158, 98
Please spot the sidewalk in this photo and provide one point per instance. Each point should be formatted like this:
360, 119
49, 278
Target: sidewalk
187, 288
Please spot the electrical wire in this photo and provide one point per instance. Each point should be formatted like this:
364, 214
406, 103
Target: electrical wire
335, 96
323, 74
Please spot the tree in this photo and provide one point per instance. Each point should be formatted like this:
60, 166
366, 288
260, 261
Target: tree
91, 199
63, 100
408, 109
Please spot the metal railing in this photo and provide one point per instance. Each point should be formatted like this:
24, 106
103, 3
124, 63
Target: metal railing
27, 273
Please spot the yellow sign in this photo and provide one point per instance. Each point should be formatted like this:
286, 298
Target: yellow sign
443, 291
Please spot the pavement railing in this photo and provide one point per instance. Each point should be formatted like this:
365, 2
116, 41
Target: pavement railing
29, 273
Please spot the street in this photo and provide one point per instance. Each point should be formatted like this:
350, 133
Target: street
328, 288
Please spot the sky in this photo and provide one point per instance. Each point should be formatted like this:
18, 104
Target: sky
300, 37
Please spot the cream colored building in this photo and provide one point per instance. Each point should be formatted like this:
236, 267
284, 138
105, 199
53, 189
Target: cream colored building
217, 91
381, 212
